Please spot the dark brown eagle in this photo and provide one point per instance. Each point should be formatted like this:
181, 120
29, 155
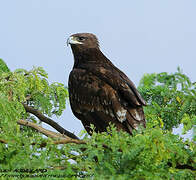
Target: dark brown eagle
99, 92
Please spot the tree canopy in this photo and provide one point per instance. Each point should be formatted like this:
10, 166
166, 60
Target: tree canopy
27, 100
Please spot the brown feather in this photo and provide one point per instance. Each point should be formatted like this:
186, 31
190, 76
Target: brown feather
100, 93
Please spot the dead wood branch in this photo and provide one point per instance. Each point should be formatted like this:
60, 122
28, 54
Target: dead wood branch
42, 130
63, 139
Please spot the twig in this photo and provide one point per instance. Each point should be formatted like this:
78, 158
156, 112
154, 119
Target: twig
63, 138
3, 141
49, 121
66, 141
42, 130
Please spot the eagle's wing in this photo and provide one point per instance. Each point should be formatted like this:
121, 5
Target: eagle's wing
95, 100
118, 81
125, 89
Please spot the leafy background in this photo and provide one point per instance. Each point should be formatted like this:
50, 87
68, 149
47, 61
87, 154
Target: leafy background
152, 153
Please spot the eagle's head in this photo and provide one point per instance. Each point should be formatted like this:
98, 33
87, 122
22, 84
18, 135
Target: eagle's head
83, 41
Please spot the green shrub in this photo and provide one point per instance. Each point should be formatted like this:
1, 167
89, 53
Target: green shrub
154, 153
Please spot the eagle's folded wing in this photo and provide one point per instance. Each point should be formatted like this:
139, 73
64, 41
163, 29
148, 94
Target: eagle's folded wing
120, 82
95, 101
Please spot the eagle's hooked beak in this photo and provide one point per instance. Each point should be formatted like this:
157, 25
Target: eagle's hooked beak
73, 40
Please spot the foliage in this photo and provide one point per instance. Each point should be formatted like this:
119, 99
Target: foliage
3, 67
171, 100
154, 153
33, 88
150, 155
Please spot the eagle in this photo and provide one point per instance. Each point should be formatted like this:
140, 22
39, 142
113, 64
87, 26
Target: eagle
100, 93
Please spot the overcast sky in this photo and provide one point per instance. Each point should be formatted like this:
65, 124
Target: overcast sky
138, 36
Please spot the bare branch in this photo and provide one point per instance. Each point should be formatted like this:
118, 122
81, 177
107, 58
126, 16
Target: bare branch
63, 138
42, 130
49, 121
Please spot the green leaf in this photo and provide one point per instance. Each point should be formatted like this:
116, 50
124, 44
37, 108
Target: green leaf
3, 67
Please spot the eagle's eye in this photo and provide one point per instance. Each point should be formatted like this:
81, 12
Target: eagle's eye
81, 38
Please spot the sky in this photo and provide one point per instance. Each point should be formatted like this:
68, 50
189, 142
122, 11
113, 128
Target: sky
137, 36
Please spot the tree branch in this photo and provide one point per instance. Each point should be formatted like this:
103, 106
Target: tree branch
3, 141
42, 130
66, 141
63, 138
49, 121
